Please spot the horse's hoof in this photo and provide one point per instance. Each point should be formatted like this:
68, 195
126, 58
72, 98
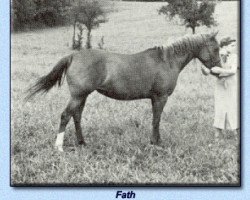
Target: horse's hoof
82, 143
59, 148
155, 142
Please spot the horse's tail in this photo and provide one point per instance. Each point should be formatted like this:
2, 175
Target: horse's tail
45, 83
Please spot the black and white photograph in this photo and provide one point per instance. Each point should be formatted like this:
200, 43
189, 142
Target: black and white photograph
125, 93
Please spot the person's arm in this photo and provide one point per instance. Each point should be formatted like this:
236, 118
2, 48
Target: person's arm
227, 72
224, 72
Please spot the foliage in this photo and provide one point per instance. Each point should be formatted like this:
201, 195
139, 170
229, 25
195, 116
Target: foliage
77, 43
164, 0
193, 13
38, 13
91, 14
101, 43
23, 12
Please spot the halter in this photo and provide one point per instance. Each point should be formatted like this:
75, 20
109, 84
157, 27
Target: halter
214, 63
210, 57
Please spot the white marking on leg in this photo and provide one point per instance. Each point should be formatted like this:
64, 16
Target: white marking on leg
59, 141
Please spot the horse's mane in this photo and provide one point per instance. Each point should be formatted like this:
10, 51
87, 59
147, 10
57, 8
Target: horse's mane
186, 43
183, 45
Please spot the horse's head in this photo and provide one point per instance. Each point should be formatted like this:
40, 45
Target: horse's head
209, 52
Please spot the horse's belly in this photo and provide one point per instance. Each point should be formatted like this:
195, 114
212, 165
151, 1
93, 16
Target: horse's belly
122, 96
123, 90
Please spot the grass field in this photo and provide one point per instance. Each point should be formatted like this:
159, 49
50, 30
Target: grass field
117, 132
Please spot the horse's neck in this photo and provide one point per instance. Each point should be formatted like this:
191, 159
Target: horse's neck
183, 60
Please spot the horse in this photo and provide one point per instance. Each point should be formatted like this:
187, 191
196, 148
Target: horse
150, 74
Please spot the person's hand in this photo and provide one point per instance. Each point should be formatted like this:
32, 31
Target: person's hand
216, 70
221, 76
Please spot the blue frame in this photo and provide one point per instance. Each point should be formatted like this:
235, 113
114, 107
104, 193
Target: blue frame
7, 192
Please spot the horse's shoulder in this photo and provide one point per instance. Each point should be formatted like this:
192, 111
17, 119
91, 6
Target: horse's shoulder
156, 53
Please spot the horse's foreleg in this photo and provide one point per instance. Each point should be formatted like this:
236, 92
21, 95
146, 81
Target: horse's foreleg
158, 104
73, 106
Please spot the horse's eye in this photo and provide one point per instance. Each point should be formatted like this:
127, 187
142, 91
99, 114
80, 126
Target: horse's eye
216, 49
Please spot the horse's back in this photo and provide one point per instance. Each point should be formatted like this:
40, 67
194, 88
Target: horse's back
118, 76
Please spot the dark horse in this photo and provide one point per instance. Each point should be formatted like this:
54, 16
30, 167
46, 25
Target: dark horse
149, 74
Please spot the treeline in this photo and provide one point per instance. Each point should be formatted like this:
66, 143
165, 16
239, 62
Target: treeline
167, 0
146, 0
29, 14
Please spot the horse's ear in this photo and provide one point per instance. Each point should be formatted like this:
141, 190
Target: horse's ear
214, 34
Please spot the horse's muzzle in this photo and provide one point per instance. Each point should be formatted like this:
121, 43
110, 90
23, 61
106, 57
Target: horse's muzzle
218, 64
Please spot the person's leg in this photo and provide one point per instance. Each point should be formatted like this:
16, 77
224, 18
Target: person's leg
235, 132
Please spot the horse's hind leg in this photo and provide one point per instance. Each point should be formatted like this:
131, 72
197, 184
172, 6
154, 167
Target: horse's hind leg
77, 120
158, 104
74, 108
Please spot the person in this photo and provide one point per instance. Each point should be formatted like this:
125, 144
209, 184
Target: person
226, 92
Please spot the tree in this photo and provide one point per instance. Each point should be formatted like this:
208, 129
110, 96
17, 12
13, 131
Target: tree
193, 13
90, 13
22, 14
51, 13
28, 14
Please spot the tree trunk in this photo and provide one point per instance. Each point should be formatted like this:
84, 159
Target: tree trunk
88, 43
193, 30
74, 36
